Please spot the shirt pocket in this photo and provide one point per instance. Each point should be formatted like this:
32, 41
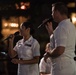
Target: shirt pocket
27, 52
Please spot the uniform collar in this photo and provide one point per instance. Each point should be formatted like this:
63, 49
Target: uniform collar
29, 40
62, 22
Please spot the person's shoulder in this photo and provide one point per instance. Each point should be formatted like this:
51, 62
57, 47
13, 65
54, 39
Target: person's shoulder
42, 59
49, 60
35, 41
20, 40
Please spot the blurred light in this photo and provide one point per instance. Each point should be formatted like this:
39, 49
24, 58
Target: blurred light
72, 4
14, 25
5, 25
23, 7
73, 17
27, 4
10, 25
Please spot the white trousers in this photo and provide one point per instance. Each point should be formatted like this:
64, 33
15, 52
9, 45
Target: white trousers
64, 66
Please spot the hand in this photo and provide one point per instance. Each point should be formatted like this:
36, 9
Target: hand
45, 21
11, 37
45, 57
49, 28
15, 61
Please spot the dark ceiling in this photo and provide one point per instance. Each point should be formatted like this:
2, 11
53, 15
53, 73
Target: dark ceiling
35, 1
6, 5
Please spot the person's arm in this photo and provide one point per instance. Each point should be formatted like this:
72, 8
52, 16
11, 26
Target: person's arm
12, 53
31, 61
56, 52
59, 41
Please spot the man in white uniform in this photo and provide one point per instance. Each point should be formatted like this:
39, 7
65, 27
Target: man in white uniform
64, 37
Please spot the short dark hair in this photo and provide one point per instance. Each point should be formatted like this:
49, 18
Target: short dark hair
28, 24
61, 7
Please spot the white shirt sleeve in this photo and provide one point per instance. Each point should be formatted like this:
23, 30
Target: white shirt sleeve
60, 37
36, 48
42, 65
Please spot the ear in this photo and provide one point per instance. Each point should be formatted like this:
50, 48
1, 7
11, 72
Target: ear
24, 27
28, 29
57, 12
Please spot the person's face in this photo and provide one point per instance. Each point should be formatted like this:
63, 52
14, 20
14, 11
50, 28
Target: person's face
54, 14
23, 31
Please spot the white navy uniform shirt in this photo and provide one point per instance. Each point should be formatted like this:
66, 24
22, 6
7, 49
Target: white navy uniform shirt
45, 66
26, 51
64, 35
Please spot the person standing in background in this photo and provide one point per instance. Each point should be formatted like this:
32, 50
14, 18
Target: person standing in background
27, 49
64, 37
45, 67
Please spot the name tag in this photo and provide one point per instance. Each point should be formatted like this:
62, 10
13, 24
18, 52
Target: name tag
28, 45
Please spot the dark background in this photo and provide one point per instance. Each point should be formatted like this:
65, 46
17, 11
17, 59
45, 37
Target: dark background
38, 11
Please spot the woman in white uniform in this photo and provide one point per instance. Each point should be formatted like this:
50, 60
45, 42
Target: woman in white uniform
28, 51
